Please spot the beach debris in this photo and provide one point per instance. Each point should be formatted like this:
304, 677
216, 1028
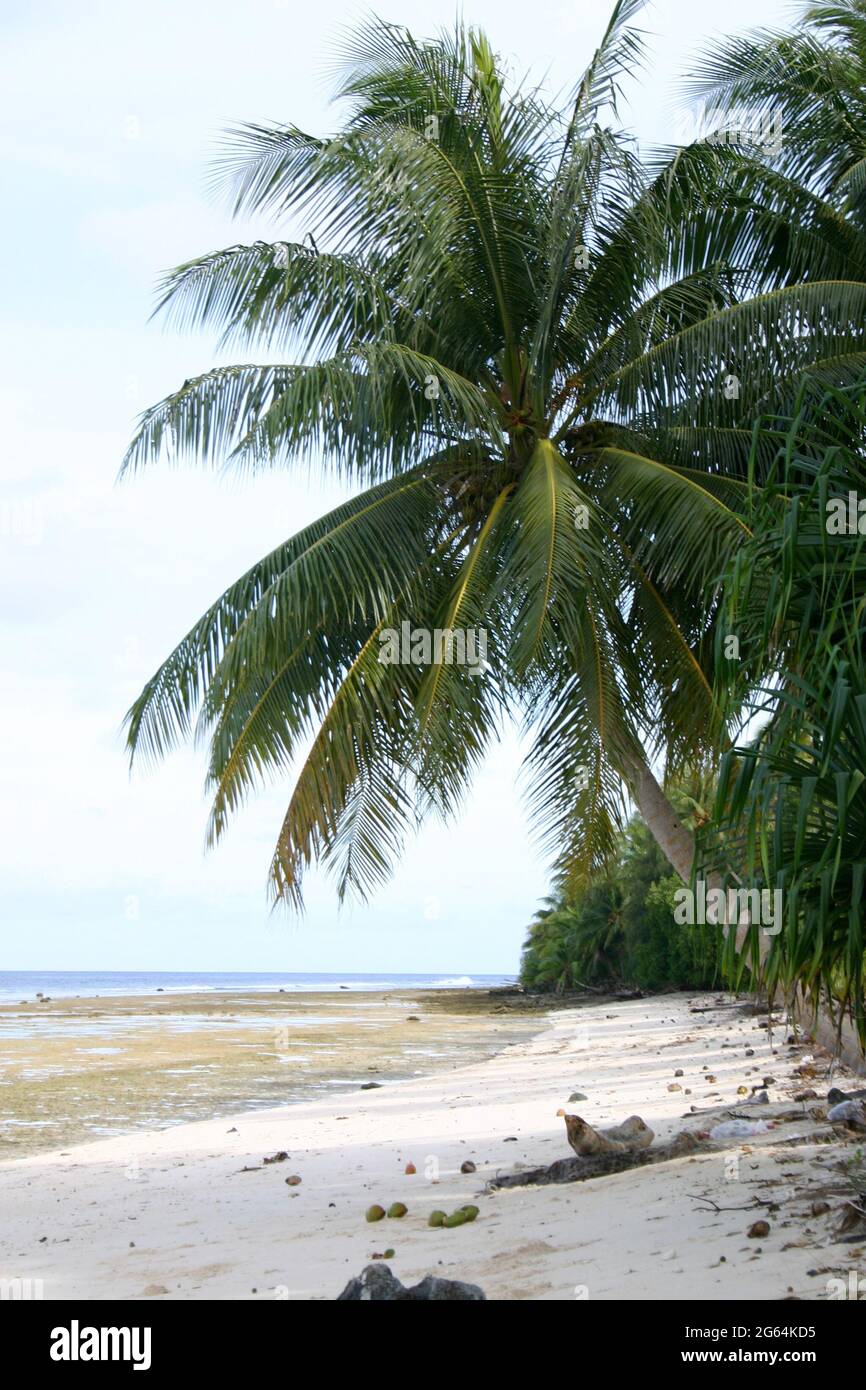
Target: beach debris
819, 1208
599, 1165
758, 1230
848, 1112
233, 1130
383, 1254
376, 1284
835, 1096
633, 1133
436, 1218
808, 1094
739, 1129
256, 1168
410, 1169
371, 1086
678, 1072
279, 1157
852, 1223
412, 1018
750, 1206
293, 1180
467, 1166
742, 1090
396, 1210
374, 1213
674, 1086
576, 1096
154, 1290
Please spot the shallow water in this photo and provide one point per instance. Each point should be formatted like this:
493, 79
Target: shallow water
77, 1069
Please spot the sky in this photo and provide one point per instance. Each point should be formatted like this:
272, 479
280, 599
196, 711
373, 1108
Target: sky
110, 113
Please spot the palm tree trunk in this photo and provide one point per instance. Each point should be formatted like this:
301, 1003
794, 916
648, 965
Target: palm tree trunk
675, 841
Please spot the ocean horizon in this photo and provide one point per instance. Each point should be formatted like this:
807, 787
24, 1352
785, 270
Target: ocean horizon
17, 986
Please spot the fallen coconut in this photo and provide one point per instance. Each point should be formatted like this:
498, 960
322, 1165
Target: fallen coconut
758, 1230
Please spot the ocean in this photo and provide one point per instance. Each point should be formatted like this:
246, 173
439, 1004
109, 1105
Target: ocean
19, 985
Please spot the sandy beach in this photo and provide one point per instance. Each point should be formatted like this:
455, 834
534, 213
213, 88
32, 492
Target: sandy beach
193, 1212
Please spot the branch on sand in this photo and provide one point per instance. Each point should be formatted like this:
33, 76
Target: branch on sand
602, 1152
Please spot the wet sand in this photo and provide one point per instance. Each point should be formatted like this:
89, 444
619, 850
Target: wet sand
73, 1070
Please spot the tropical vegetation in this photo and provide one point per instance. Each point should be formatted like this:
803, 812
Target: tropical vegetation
587, 403
620, 930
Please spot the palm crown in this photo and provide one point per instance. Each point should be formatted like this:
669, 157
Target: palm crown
523, 349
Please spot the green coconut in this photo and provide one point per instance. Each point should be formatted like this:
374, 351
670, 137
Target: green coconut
397, 1209
374, 1213
436, 1218
457, 1218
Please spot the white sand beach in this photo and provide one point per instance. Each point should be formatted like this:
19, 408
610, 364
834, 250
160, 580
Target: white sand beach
174, 1214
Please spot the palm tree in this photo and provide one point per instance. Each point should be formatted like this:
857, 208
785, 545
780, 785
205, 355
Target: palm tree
797, 103
572, 943
808, 90
523, 351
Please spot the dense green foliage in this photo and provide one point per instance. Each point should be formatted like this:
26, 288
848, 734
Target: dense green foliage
791, 807
792, 803
620, 929
791, 811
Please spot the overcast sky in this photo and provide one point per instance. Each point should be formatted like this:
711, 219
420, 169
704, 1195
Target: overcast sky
109, 113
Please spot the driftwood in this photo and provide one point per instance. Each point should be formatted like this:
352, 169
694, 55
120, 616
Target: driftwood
586, 1141
571, 1170
604, 1152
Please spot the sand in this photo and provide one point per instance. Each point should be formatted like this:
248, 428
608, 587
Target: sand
173, 1213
